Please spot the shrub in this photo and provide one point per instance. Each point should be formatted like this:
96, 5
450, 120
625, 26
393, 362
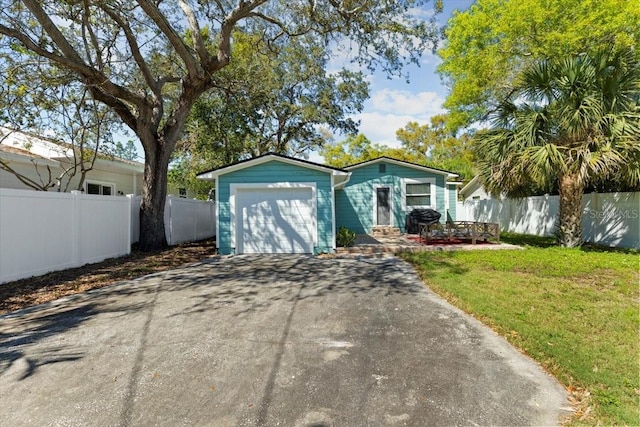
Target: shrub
345, 238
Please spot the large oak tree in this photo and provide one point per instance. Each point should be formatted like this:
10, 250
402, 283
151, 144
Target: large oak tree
149, 61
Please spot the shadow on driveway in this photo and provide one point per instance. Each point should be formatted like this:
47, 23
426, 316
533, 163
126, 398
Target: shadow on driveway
266, 340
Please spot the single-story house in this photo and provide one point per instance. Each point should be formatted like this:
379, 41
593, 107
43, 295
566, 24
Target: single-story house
280, 204
474, 190
43, 159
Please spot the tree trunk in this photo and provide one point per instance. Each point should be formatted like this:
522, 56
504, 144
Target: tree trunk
569, 231
154, 194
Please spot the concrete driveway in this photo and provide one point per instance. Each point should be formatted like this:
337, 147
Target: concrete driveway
269, 340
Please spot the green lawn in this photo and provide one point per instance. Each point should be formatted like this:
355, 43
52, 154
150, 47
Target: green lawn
576, 311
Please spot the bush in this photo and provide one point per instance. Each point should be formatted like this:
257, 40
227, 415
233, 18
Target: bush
345, 238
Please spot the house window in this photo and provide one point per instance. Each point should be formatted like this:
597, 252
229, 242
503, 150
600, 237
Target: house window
182, 192
419, 193
103, 189
382, 168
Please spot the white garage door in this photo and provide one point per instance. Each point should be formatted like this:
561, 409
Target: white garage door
275, 220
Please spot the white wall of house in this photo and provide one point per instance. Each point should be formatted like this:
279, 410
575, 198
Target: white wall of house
611, 219
120, 176
122, 181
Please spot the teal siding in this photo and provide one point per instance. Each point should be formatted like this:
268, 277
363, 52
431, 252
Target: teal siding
453, 198
276, 171
354, 203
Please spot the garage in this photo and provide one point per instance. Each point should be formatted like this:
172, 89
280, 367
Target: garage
275, 219
275, 204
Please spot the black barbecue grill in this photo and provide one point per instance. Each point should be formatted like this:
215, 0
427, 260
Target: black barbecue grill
420, 216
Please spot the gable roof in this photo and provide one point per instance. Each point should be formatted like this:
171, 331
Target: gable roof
404, 163
471, 185
216, 172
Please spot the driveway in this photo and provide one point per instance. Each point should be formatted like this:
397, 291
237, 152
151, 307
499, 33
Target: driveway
266, 340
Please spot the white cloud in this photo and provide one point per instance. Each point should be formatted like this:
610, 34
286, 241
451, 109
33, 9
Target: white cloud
405, 102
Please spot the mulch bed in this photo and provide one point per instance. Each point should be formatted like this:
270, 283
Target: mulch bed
37, 290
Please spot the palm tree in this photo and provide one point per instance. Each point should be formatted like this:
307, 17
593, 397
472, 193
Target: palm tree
569, 122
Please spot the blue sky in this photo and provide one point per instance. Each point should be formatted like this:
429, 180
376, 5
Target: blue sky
393, 103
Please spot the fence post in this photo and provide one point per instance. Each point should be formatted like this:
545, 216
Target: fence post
129, 223
194, 212
167, 208
76, 237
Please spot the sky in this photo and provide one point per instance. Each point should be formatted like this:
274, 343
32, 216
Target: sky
394, 103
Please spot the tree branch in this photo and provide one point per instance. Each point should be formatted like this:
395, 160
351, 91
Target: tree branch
4, 165
198, 43
86, 26
174, 38
135, 49
90, 75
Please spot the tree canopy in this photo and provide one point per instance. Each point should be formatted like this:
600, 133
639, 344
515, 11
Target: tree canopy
282, 101
150, 61
358, 148
489, 45
429, 145
438, 146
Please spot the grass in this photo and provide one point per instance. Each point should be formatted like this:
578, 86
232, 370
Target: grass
575, 311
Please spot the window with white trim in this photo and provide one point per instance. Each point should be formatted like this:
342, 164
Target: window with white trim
418, 193
100, 188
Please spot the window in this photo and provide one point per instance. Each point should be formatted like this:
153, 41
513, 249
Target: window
382, 168
418, 193
103, 189
182, 192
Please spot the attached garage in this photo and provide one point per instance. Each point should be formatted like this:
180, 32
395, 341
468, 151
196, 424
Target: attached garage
276, 204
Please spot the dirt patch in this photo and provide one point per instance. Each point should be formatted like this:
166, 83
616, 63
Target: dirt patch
37, 290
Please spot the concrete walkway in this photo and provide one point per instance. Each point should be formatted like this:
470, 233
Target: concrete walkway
366, 244
266, 341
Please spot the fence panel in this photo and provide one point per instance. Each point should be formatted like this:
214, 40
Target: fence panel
611, 219
189, 220
46, 231
104, 227
184, 219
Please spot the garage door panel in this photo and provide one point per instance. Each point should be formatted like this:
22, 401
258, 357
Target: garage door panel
276, 220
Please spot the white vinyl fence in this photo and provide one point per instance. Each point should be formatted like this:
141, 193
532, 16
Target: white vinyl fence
611, 219
45, 231
185, 220
42, 231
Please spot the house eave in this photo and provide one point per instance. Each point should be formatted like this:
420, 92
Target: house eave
214, 174
19, 158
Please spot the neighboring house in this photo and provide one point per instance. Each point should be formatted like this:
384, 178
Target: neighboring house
474, 190
279, 204
36, 157
182, 192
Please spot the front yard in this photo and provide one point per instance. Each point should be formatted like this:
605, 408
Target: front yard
575, 311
